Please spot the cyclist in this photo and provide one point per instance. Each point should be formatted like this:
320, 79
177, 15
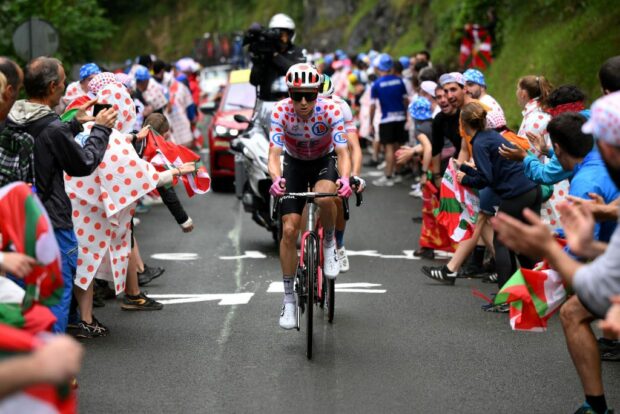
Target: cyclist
311, 132
355, 151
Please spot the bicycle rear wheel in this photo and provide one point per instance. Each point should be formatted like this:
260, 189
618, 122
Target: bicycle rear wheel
311, 269
331, 299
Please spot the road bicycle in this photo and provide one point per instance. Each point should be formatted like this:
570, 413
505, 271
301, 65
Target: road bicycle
311, 287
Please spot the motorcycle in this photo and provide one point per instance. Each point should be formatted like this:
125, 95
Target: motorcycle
252, 180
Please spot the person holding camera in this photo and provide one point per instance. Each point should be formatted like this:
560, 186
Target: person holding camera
272, 53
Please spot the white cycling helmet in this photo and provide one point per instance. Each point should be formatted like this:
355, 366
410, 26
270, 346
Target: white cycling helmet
327, 88
303, 75
282, 21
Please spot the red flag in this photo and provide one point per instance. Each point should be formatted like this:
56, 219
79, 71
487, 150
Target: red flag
476, 47
433, 235
165, 155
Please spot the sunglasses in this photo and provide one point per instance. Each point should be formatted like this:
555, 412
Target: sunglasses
310, 96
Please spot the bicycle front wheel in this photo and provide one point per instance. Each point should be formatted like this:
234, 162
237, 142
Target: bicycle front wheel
331, 299
311, 256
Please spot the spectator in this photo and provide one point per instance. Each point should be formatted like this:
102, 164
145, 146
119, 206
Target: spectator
80, 88
55, 151
476, 87
389, 90
594, 283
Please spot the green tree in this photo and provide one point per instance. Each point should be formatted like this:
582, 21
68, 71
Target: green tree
81, 26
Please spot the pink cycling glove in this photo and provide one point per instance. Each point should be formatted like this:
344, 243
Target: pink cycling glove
345, 188
278, 187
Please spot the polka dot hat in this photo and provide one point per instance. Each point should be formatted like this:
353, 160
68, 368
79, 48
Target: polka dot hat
604, 121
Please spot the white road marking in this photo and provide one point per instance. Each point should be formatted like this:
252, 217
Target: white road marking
248, 254
372, 174
278, 287
242, 298
175, 256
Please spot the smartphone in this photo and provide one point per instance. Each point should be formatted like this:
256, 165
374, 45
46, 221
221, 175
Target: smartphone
100, 107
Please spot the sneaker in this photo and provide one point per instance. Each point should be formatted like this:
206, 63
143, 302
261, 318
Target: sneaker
398, 178
331, 267
103, 289
415, 186
136, 221
381, 165
288, 316
140, 302
440, 274
384, 182
490, 278
473, 271
609, 349
416, 193
492, 307
343, 259
424, 253
587, 409
90, 330
149, 274
371, 163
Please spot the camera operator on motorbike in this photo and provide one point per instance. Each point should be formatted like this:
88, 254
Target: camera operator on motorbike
272, 53
327, 91
311, 132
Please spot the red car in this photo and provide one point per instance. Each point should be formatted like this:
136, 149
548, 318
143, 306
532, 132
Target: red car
238, 97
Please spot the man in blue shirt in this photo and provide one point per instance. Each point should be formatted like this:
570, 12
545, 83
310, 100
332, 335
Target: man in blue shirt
575, 151
390, 91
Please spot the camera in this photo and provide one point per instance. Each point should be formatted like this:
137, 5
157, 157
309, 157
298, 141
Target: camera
262, 41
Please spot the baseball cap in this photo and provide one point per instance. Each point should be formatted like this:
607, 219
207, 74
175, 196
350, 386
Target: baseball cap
88, 70
474, 76
429, 87
384, 62
420, 109
604, 122
404, 60
142, 74
452, 77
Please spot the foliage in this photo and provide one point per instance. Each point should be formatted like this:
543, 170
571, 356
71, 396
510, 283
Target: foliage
81, 26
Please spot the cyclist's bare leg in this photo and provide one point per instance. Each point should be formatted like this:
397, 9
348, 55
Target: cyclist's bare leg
288, 244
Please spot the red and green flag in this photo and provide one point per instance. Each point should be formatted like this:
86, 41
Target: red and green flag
458, 206
433, 235
72, 109
37, 399
26, 228
534, 296
165, 155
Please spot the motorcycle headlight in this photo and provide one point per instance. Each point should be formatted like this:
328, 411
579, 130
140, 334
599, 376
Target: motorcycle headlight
233, 132
221, 130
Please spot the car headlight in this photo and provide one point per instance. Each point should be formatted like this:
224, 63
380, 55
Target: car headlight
221, 130
233, 132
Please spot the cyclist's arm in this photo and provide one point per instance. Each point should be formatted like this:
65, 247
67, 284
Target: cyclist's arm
275, 168
344, 161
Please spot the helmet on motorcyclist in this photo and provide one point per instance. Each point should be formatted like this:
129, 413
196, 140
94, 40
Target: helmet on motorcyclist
303, 76
327, 89
283, 22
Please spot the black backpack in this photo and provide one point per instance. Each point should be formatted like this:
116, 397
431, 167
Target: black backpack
16, 155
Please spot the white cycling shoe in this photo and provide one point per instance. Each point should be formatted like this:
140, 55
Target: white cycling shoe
343, 259
288, 316
331, 266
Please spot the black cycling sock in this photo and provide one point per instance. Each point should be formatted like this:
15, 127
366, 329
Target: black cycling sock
597, 402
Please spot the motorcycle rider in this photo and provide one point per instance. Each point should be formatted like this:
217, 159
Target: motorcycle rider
268, 65
310, 131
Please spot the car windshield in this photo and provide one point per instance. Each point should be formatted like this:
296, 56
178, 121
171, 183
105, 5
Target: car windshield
240, 96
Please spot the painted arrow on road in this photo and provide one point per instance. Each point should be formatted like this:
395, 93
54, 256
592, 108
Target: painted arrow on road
360, 287
224, 298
